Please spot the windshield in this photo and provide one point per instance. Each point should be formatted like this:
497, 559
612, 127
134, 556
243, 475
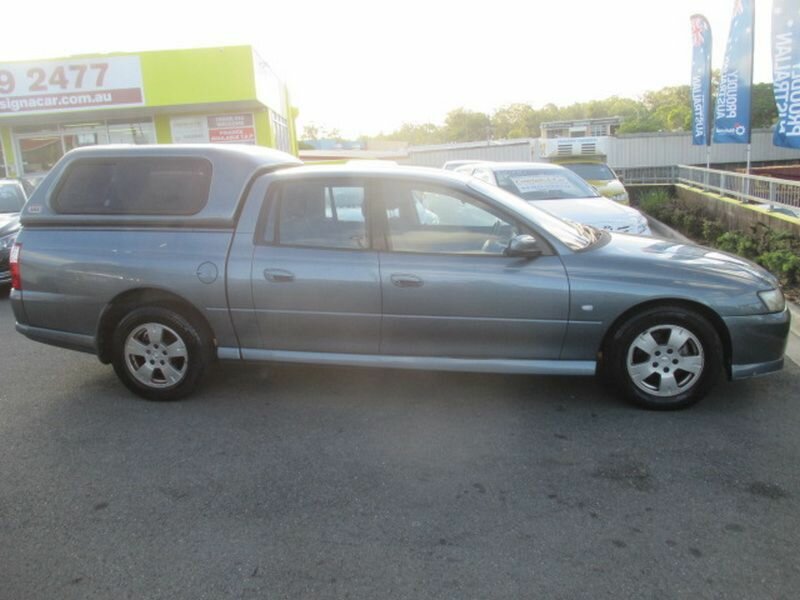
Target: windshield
591, 171
11, 198
573, 235
544, 184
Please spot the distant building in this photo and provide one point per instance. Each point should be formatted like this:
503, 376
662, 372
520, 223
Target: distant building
330, 144
581, 128
219, 95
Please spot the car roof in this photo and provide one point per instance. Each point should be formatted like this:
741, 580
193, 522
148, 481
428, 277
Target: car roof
383, 171
223, 153
513, 166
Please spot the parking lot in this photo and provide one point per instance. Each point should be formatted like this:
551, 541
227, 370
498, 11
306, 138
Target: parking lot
308, 482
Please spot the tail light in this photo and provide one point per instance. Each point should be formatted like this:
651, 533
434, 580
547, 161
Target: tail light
13, 262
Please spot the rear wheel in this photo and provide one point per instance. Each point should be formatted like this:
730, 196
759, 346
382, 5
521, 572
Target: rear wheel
158, 354
665, 358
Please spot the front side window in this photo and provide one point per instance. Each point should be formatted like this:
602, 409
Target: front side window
434, 220
135, 186
322, 214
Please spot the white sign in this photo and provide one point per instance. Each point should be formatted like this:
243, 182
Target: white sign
70, 85
217, 129
189, 130
538, 183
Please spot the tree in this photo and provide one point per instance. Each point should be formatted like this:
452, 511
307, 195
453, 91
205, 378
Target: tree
666, 109
763, 111
463, 125
310, 132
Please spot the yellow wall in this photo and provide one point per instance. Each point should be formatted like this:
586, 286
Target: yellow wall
8, 151
198, 76
264, 134
163, 130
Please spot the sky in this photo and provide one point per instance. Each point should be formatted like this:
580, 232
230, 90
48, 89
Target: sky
367, 67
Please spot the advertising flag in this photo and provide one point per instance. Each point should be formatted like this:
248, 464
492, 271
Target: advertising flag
732, 111
701, 80
786, 71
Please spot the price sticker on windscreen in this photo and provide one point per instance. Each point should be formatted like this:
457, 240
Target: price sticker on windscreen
537, 183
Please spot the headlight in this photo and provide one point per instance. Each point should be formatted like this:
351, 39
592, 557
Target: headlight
8, 240
773, 300
621, 198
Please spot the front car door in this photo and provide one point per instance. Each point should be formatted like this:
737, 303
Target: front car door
449, 290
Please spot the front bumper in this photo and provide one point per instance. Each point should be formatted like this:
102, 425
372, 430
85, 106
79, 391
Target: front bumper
758, 343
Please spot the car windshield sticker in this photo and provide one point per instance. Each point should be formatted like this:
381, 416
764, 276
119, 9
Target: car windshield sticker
538, 183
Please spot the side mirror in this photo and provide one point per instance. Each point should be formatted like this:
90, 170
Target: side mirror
523, 245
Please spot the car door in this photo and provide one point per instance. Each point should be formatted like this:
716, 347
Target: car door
449, 290
315, 276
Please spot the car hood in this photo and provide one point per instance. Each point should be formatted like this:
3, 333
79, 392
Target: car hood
598, 212
669, 259
9, 223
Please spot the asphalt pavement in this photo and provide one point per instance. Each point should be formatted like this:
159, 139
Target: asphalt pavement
305, 482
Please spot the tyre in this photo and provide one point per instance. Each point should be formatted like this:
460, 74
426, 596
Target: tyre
159, 354
665, 358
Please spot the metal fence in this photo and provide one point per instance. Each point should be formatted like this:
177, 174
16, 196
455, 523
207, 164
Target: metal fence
779, 194
648, 175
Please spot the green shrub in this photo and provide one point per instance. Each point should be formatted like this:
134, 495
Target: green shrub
784, 264
712, 230
657, 203
737, 242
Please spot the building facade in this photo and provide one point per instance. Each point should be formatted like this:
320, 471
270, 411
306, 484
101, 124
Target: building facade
219, 95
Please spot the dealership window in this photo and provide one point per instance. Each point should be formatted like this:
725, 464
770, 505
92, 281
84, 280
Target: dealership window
40, 148
281, 128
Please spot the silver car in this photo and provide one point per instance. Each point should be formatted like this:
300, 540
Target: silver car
560, 192
161, 259
12, 198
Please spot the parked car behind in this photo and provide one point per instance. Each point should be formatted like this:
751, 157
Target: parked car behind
12, 199
159, 259
599, 175
452, 165
560, 192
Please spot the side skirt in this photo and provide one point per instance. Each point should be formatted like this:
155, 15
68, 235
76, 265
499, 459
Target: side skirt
427, 363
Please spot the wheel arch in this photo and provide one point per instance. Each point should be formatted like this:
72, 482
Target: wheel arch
703, 310
129, 300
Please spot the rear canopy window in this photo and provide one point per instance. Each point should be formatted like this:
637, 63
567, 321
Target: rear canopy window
135, 186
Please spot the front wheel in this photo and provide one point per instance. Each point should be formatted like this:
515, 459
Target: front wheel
666, 358
158, 354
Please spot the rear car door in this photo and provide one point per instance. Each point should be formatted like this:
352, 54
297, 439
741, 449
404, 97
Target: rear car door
449, 290
315, 276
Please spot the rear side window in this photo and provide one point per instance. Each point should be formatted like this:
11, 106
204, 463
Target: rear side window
321, 214
135, 186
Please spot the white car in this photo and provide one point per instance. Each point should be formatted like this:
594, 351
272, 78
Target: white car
560, 192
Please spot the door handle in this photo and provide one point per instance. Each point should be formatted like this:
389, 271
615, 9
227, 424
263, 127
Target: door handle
404, 280
278, 275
